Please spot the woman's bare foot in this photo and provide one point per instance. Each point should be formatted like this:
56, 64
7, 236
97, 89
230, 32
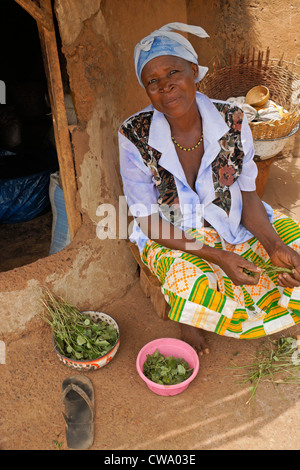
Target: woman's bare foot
194, 337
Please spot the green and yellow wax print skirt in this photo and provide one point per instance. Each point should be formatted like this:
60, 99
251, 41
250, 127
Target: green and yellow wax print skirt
201, 295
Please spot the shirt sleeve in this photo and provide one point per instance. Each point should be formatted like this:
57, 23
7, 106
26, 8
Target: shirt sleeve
138, 182
248, 175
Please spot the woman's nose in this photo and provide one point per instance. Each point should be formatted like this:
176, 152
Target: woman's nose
166, 85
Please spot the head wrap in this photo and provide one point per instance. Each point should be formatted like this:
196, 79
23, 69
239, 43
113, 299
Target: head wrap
164, 42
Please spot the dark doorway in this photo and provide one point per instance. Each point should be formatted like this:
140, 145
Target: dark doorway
28, 154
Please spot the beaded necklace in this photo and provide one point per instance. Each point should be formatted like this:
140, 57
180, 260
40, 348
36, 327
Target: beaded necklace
187, 149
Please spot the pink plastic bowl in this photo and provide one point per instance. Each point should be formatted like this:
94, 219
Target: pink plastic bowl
168, 347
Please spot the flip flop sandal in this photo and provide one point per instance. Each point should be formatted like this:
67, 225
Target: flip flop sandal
78, 401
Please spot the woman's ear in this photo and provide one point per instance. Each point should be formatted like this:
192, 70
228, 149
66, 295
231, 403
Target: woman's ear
195, 69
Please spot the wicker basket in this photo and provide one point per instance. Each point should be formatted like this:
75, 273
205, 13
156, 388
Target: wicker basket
238, 78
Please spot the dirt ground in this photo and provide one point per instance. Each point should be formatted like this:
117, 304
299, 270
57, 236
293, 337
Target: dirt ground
18, 241
211, 414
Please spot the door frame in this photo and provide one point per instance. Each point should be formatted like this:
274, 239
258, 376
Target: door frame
44, 17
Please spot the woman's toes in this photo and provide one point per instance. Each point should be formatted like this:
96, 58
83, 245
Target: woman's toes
195, 338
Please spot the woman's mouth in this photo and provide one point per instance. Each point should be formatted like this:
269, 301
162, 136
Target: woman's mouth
171, 101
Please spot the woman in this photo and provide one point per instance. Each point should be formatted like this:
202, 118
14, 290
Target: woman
189, 177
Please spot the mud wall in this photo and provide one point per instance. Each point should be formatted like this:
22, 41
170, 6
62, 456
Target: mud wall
98, 37
239, 25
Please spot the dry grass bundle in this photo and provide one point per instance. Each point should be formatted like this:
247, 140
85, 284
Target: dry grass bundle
277, 362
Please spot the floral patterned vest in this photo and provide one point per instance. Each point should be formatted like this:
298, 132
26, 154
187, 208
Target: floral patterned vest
226, 167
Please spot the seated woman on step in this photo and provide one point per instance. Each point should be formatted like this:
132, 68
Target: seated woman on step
189, 177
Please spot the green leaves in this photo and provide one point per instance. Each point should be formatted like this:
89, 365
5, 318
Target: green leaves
88, 340
81, 340
268, 269
180, 369
249, 273
166, 370
76, 335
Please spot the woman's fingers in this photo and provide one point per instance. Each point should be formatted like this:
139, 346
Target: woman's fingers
251, 280
293, 279
287, 257
287, 280
250, 275
296, 275
250, 266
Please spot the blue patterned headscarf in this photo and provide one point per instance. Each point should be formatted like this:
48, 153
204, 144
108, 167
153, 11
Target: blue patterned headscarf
164, 42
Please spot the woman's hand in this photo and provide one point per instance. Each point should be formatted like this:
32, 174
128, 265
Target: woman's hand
233, 265
254, 218
286, 257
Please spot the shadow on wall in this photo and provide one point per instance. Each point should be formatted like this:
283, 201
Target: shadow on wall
229, 25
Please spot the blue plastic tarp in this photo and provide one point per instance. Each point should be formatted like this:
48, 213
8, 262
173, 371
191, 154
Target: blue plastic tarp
24, 198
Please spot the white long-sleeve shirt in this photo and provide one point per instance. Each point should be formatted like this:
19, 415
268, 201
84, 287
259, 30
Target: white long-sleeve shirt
142, 194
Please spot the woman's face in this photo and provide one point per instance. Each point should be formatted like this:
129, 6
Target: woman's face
170, 84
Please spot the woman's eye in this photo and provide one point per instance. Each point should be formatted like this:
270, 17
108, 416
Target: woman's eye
173, 71
153, 80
